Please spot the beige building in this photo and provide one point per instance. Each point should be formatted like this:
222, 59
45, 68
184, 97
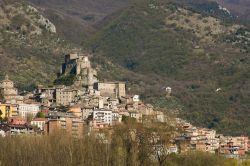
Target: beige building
111, 89
65, 96
26, 110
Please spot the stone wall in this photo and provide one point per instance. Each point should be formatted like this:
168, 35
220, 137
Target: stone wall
111, 89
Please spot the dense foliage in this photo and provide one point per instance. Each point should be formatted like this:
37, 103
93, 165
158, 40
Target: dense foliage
124, 148
67, 80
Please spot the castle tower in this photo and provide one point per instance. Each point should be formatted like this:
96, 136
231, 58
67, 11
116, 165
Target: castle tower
121, 89
80, 66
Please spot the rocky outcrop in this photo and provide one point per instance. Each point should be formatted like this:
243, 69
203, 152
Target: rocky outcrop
44, 22
17, 17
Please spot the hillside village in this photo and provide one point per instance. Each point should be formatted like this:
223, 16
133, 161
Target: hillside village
90, 106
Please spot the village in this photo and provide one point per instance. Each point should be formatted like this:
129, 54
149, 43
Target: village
90, 106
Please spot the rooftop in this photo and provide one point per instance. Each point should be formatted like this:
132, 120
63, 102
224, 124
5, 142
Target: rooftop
39, 119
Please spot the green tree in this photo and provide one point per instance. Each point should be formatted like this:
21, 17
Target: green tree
1, 95
40, 115
128, 120
29, 118
5, 119
62, 108
65, 80
1, 113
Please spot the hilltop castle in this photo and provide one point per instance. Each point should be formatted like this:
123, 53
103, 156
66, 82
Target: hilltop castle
79, 65
86, 88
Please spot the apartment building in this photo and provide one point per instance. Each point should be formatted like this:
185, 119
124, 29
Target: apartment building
65, 122
102, 118
24, 110
65, 96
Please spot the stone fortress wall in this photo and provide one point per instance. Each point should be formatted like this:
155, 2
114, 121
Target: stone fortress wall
111, 89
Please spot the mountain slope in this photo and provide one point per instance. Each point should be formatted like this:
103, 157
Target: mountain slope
189, 50
76, 20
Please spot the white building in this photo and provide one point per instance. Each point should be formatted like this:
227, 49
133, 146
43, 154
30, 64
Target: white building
102, 117
28, 109
168, 91
38, 122
136, 98
136, 115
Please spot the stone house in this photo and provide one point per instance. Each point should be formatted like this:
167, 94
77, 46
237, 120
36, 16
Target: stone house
65, 96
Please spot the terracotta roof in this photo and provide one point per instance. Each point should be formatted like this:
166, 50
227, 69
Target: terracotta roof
39, 119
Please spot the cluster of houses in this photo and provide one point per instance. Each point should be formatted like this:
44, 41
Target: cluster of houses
90, 105
207, 140
84, 106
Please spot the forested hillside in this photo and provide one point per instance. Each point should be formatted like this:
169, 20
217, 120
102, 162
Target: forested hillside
200, 52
